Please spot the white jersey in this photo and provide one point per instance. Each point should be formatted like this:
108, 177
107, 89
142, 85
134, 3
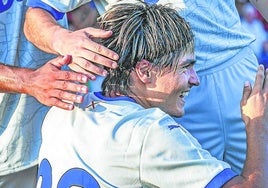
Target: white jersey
20, 115
120, 144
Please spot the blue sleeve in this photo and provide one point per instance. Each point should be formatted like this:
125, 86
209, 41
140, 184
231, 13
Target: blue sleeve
92, 5
220, 179
39, 4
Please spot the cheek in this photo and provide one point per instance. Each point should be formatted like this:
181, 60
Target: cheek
171, 84
181, 82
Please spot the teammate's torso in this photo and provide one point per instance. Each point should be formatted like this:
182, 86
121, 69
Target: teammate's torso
20, 115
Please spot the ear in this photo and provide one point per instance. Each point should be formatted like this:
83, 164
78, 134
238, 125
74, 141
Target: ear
143, 71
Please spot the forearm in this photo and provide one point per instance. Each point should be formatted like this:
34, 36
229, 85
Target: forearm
41, 28
262, 6
256, 165
13, 79
254, 174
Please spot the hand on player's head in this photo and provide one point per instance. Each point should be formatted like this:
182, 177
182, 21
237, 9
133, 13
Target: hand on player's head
89, 57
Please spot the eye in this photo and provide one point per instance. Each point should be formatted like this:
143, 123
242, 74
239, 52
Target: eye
186, 68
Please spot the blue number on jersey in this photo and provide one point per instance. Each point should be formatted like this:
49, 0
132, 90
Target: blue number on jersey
73, 177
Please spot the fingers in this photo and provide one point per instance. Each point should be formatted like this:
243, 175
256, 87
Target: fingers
62, 99
91, 58
60, 61
259, 80
97, 70
254, 103
66, 85
99, 54
98, 33
61, 104
88, 55
98, 48
65, 95
87, 67
71, 76
246, 93
265, 85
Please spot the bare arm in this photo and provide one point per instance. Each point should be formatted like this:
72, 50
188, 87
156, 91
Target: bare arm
48, 84
254, 109
262, 6
43, 31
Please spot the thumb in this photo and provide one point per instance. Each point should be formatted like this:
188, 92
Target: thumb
60, 61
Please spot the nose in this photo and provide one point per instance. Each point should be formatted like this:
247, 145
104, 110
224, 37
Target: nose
193, 80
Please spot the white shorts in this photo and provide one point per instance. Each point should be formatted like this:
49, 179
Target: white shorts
212, 111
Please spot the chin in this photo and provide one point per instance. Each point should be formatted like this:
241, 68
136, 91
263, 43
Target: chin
178, 114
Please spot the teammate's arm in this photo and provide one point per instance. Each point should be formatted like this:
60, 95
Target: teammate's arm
254, 110
48, 84
43, 31
262, 6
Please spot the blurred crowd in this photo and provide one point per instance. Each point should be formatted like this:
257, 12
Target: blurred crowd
251, 19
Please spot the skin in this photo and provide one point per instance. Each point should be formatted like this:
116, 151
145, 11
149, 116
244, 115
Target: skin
49, 84
88, 56
166, 91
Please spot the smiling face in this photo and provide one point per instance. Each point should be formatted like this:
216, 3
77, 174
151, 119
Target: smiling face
168, 90
156, 59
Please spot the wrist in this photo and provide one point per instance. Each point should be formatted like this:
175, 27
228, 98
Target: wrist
58, 39
24, 81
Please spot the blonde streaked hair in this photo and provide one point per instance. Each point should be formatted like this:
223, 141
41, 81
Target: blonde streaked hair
156, 33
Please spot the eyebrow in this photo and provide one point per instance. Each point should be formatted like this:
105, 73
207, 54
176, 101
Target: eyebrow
189, 61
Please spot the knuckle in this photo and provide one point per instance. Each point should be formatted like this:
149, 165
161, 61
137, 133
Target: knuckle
67, 75
98, 48
88, 65
57, 103
64, 85
52, 102
94, 57
83, 40
61, 94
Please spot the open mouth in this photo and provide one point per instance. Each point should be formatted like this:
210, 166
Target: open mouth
184, 94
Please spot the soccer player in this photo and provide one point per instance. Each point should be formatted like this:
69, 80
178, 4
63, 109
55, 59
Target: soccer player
223, 61
126, 137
